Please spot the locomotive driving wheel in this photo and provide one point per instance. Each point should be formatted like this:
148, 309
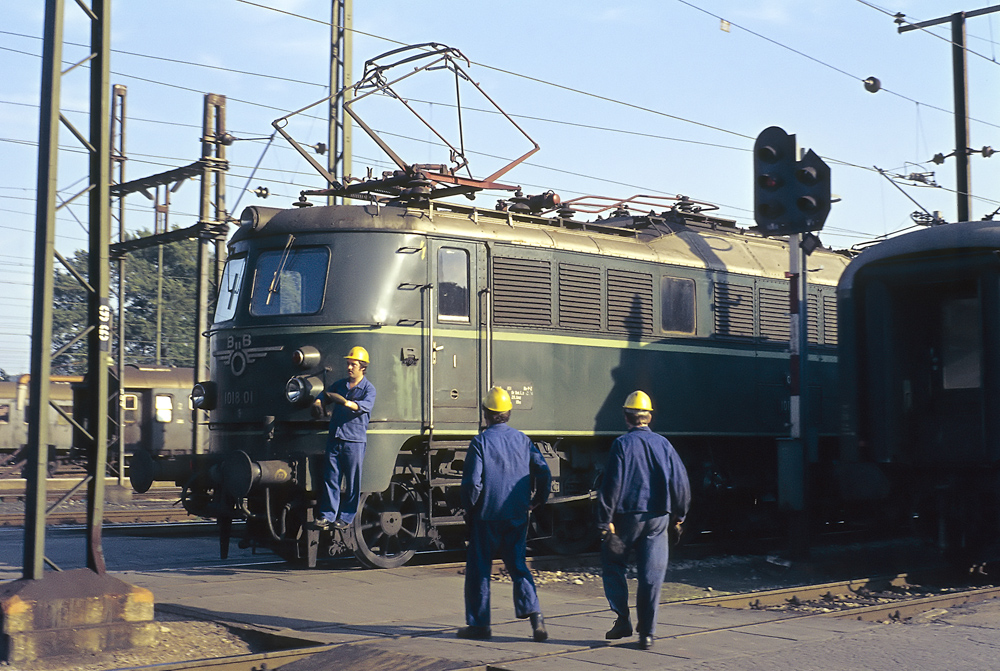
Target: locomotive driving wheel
389, 526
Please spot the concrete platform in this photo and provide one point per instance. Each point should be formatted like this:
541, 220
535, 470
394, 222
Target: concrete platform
70, 613
407, 618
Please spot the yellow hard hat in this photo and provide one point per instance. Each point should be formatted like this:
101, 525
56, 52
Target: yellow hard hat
358, 354
497, 400
638, 400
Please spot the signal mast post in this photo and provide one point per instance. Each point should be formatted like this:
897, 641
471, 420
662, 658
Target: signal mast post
793, 452
792, 198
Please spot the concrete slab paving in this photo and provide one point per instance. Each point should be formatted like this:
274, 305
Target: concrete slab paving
413, 613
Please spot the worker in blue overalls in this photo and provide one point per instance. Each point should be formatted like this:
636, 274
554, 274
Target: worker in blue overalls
645, 492
502, 466
353, 398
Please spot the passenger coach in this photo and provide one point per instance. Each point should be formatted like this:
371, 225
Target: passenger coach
921, 380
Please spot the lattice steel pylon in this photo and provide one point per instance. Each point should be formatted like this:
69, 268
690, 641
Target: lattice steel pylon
98, 330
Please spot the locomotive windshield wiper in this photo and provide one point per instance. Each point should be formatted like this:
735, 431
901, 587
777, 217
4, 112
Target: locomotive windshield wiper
276, 280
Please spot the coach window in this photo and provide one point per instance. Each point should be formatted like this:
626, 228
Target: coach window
60, 417
453, 285
677, 304
289, 282
4, 414
229, 291
130, 406
164, 408
962, 344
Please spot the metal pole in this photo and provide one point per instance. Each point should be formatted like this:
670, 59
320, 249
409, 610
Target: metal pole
221, 213
210, 149
160, 226
963, 176
99, 310
119, 94
41, 322
793, 459
339, 130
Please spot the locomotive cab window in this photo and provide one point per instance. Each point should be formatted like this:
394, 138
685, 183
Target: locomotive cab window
677, 304
229, 291
164, 408
290, 282
4, 414
453, 285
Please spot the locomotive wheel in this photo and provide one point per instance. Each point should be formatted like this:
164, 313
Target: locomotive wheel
389, 527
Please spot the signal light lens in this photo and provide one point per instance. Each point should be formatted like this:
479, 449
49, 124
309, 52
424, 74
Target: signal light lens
807, 203
770, 210
767, 153
769, 182
807, 175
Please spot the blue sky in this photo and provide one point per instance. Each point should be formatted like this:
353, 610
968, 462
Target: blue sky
640, 96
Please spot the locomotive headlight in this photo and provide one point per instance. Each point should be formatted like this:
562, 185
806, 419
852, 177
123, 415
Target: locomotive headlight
302, 390
256, 217
204, 395
306, 357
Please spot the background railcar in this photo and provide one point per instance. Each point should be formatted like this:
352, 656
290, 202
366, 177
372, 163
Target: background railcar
156, 410
921, 380
14, 407
568, 316
156, 414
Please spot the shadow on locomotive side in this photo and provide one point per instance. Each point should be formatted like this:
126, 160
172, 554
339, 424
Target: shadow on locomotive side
568, 316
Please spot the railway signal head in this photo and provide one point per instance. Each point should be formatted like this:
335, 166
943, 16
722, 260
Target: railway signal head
790, 195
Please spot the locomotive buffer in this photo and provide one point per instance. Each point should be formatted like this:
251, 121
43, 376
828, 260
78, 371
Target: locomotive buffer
792, 198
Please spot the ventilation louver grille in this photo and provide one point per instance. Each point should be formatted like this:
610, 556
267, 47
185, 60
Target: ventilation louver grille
579, 297
733, 310
630, 301
522, 292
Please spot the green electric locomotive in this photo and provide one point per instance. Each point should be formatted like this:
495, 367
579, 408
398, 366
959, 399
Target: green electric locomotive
568, 316
448, 299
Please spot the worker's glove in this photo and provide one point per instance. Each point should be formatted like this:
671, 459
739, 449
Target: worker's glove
674, 532
613, 544
336, 398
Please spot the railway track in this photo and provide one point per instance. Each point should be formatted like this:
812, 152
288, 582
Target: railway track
901, 601
65, 501
870, 599
132, 516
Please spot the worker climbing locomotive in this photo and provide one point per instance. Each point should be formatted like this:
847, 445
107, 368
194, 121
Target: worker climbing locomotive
568, 316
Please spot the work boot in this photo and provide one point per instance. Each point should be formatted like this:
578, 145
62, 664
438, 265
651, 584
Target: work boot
645, 641
538, 627
622, 628
475, 633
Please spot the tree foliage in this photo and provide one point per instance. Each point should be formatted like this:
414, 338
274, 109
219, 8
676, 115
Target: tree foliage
177, 307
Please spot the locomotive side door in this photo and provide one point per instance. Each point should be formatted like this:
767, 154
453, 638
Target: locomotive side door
455, 334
